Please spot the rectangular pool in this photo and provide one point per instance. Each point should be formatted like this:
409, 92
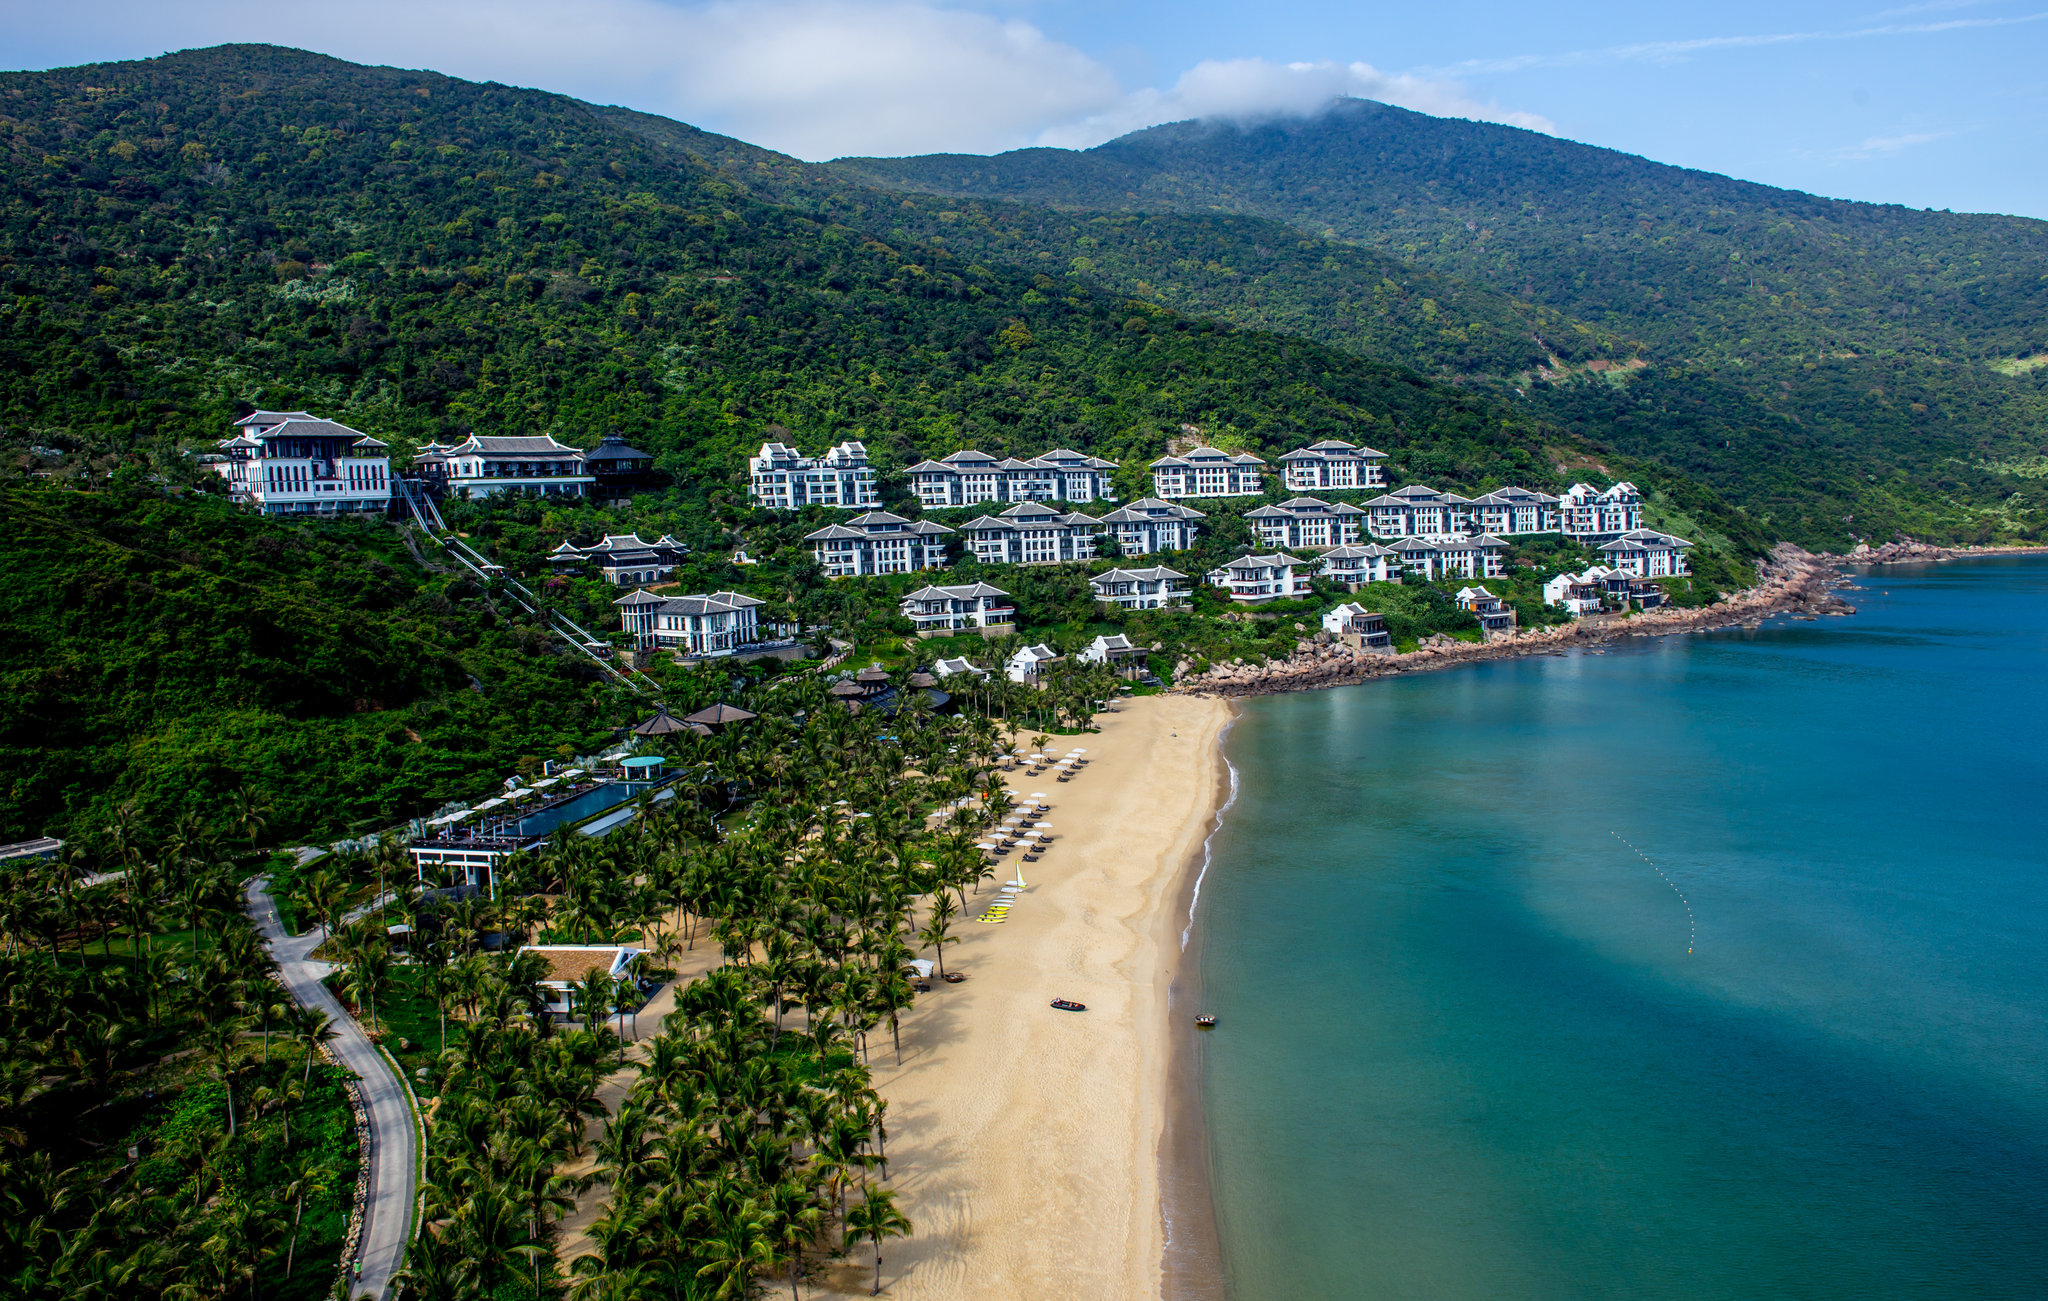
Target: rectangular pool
588, 804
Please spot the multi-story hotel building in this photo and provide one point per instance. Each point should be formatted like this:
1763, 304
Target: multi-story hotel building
1590, 514
1357, 566
1252, 579
971, 478
717, 623
1646, 553
1462, 557
1306, 522
1030, 533
1148, 526
1157, 588
781, 478
1334, 464
879, 543
1208, 472
958, 609
292, 463
483, 465
1505, 512
1418, 512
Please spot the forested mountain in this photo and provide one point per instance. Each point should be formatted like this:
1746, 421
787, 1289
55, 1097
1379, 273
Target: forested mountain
1814, 357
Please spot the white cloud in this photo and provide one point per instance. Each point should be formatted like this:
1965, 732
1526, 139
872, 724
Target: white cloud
1885, 146
1249, 89
815, 78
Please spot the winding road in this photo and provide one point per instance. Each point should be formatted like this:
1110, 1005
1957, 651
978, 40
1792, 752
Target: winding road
394, 1142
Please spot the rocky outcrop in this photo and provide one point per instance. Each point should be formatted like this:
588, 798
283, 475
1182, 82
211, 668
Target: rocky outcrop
1908, 552
1792, 581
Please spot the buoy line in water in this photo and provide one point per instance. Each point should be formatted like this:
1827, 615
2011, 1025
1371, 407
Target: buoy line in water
1692, 922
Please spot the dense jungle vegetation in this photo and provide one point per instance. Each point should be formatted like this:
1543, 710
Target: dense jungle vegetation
1839, 369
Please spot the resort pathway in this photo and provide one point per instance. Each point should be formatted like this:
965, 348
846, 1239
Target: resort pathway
393, 1153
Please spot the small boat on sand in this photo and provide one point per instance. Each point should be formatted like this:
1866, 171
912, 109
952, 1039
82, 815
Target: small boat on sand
955, 977
1206, 1021
1069, 1005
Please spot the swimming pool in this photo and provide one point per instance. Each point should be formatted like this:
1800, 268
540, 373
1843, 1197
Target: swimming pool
587, 804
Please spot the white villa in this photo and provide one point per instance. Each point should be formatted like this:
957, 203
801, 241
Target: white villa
1113, 649
1148, 526
623, 558
1334, 464
1646, 553
971, 478
1358, 626
570, 964
1030, 533
290, 463
1208, 472
1418, 512
1252, 579
961, 665
1590, 515
1158, 588
1028, 664
781, 478
485, 465
1505, 512
1306, 522
1356, 566
716, 623
1577, 593
953, 609
1494, 617
879, 543
1479, 557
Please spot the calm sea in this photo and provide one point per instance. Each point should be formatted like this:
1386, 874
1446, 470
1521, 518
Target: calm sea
1792, 1044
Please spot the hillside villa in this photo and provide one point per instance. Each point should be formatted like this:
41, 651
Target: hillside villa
571, 964
709, 624
1646, 553
624, 559
1304, 523
1113, 649
1354, 625
1158, 588
1208, 472
1333, 463
971, 478
879, 543
781, 478
1590, 514
1253, 579
955, 609
1495, 618
1357, 566
484, 465
1028, 664
1030, 533
1460, 557
1149, 526
292, 463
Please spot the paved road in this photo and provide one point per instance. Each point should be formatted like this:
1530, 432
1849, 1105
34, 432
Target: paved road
394, 1145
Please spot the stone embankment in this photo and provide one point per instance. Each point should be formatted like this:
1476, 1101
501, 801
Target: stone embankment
1909, 552
1793, 581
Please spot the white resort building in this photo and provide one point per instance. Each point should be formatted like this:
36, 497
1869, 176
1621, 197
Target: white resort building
291, 463
1356, 566
1433, 558
484, 465
1646, 553
956, 609
1208, 472
716, 623
625, 559
1418, 512
1028, 665
1591, 515
1252, 579
1031, 534
1578, 593
1148, 526
1505, 512
1113, 649
781, 478
1334, 464
879, 543
569, 965
1494, 617
1306, 523
1158, 588
1355, 625
971, 478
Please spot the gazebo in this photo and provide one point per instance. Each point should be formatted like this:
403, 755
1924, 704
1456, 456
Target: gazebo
662, 724
718, 716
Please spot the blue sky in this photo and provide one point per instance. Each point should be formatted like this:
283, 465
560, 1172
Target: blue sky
1935, 103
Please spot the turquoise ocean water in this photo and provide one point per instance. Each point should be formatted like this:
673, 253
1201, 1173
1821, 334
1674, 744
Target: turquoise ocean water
1465, 1053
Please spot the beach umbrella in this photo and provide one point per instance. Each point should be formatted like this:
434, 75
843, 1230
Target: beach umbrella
1043, 826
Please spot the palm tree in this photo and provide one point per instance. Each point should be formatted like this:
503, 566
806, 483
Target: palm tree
937, 922
876, 1218
305, 1175
250, 810
491, 1231
310, 1028
794, 1215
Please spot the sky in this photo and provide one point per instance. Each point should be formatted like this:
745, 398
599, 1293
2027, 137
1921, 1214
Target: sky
1934, 103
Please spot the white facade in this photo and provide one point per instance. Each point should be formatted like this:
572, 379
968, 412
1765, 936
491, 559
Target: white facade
1158, 588
959, 666
1480, 557
1306, 523
971, 478
1262, 578
1505, 512
1333, 463
1358, 623
954, 609
1494, 617
1208, 472
1357, 566
717, 623
1590, 514
1031, 534
625, 559
1646, 553
291, 463
1578, 593
1111, 648
1029, 663
1149, 526
879, 543
484, 465
781, 478
1418, 512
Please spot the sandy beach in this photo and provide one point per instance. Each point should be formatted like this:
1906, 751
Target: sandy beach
1024, 1143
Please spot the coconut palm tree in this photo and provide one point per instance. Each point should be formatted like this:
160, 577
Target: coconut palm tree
876, 1218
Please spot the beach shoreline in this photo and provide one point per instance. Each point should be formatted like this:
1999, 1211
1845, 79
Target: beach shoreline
1030, 1147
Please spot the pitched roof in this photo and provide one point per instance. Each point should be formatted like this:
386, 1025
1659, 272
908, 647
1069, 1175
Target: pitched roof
1146, 508
1156, 574
570, 963
272, 418
540, 445
710, 603
641, 597
964, 592
719, 714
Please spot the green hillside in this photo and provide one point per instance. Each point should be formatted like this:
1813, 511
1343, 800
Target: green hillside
1844, 367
